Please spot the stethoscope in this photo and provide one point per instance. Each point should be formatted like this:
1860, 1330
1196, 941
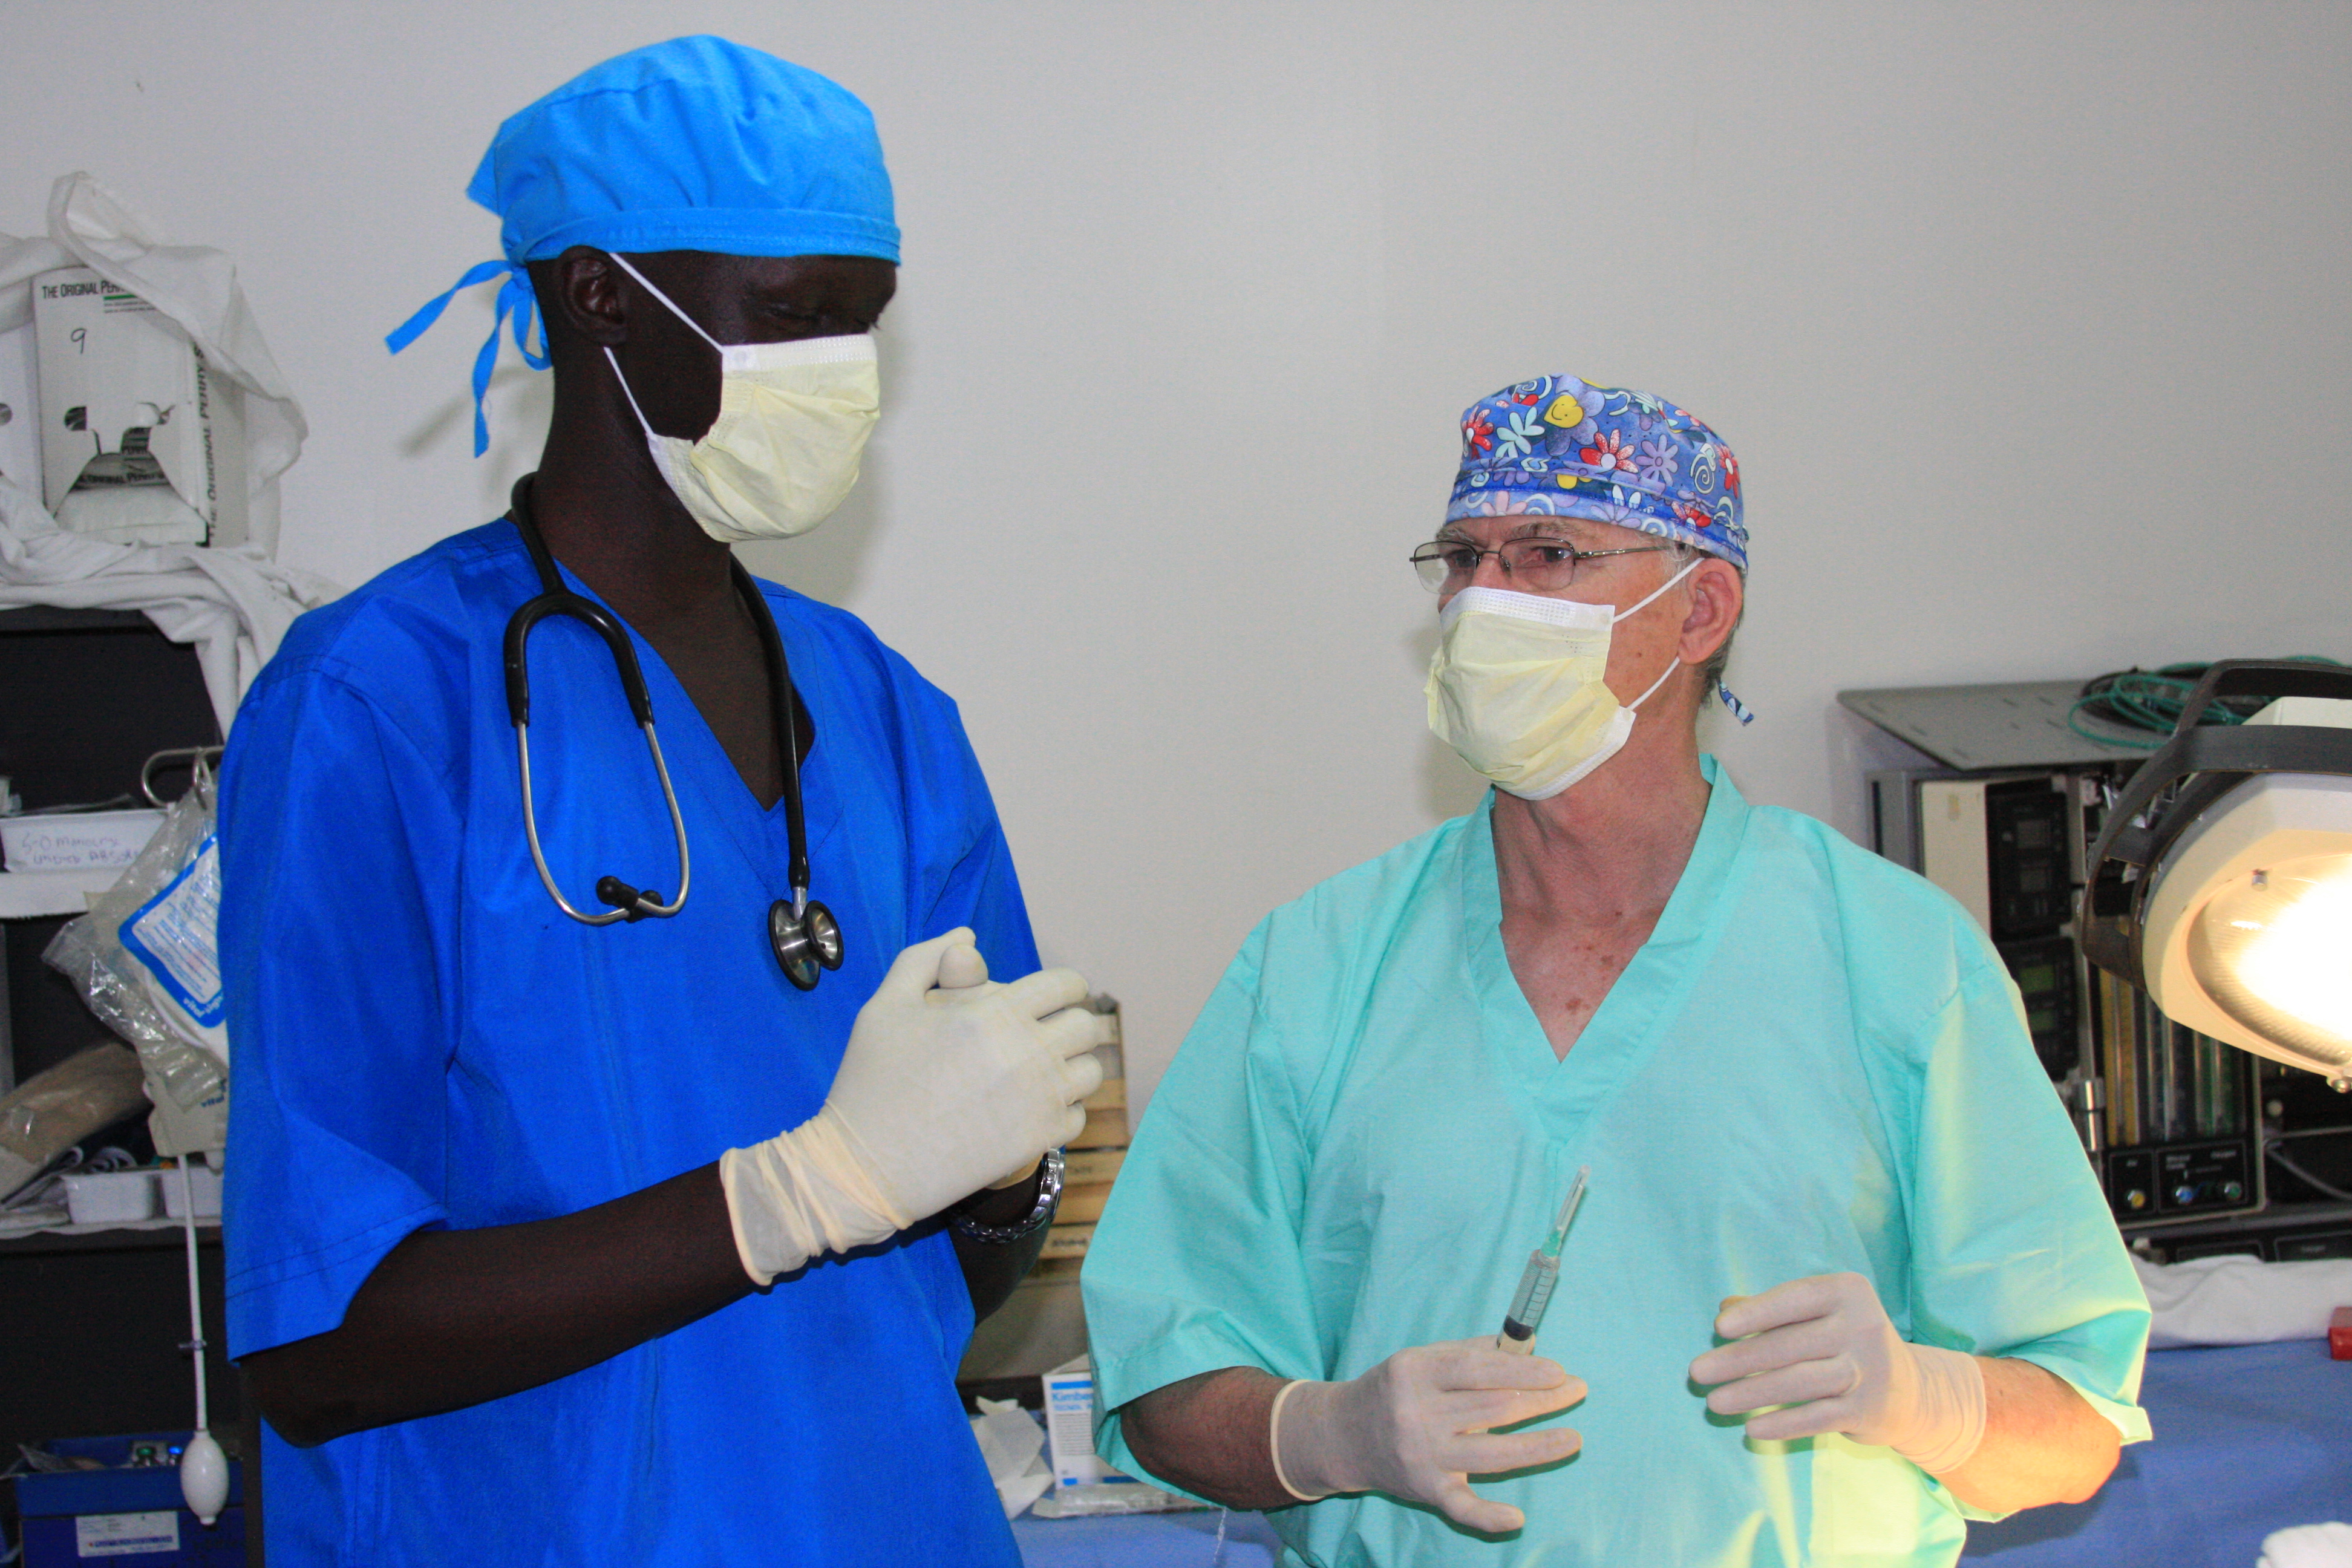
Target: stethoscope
802, 933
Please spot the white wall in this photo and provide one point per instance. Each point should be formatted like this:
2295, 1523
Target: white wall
2029, 323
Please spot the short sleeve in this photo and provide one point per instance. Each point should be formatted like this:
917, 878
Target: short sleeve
338, 847
2014, 1253
1196, 1264
980, 889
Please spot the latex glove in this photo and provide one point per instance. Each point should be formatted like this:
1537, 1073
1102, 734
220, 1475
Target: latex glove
938, 1093
1418, 1425
961, 969
1823, 1347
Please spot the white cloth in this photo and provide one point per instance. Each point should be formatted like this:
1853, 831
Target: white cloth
1014, 1446
196, 290
2308, 1546
232, 604
2242, 1300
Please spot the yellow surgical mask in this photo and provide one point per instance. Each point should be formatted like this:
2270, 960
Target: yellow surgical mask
1517, 686
783, 452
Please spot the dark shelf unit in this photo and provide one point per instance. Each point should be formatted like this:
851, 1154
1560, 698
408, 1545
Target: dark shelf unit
95, 1323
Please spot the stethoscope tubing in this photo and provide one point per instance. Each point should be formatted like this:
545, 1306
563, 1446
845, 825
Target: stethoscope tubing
807, 937
644, 905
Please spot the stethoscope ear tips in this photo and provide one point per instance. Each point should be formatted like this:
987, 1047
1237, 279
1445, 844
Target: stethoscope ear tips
622, 896
806, 944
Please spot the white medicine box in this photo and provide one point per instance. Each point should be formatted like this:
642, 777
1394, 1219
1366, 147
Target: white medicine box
141, 442
1070, 1426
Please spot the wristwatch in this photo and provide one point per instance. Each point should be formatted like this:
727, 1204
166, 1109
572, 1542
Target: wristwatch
1049, 1197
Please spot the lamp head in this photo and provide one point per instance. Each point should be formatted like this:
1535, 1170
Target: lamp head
2222, 883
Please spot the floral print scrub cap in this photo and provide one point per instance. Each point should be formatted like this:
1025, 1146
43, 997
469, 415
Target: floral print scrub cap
1554, 447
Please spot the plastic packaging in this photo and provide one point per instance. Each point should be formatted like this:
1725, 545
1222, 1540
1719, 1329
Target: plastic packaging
51, 1112
164, 997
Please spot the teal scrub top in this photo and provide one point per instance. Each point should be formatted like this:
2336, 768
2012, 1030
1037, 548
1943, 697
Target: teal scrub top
1817, 1063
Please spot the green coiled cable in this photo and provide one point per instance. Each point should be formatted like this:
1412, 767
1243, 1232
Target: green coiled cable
2148, 703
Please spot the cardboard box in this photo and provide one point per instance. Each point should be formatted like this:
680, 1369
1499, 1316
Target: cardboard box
1104, 1129
1081, 1167
140, 444
20, 411
1066, 1241
1082, 1203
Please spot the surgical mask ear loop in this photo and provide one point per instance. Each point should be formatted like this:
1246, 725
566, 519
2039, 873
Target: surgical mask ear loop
1670, 669
643, 422
622, 263
1635, 609
1675, 663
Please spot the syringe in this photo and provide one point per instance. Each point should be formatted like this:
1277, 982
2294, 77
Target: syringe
1518, 1335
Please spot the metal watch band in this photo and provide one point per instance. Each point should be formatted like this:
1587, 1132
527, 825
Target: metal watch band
1049, 1197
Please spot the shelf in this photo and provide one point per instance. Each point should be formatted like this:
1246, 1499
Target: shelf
27, 894
135, 1236
2019, 725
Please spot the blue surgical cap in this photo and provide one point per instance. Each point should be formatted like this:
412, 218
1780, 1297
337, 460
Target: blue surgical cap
695, 144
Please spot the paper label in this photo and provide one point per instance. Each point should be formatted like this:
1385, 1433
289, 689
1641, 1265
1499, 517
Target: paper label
126, 1534
174, 935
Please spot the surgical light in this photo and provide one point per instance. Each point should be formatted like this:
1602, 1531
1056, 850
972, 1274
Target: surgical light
2222, 882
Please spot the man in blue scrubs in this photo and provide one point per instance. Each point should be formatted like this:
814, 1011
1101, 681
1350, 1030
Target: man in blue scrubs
1841, 1276
554, 1242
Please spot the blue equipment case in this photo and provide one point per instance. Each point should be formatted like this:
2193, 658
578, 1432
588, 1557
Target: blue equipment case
125, 1516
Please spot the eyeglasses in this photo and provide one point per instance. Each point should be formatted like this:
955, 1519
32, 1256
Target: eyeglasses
1539, 563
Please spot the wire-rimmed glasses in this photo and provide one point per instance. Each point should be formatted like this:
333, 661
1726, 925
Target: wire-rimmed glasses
1537, 564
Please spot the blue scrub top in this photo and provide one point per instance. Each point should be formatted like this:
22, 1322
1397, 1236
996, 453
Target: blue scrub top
423, 1040
1815, 1063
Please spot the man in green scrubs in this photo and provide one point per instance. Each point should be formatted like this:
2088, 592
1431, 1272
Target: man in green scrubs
1842, 1279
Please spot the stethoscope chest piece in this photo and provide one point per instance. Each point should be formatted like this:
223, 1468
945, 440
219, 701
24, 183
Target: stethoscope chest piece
806, 943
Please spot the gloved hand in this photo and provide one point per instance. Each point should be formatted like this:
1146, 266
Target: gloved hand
962, 969
938, 1093
1418, 1425
1823, 1347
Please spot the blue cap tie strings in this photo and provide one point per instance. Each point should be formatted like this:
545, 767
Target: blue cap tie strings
517, 299
1738, 709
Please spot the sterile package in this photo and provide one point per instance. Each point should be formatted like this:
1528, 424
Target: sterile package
75, 840
141, 442
145, 961
1083, 1482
